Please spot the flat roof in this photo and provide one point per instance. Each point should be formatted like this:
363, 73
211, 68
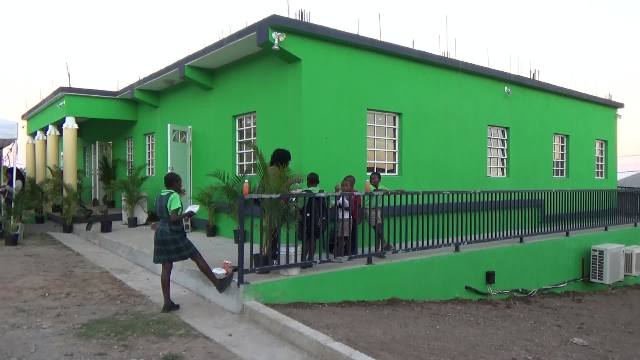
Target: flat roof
261, 28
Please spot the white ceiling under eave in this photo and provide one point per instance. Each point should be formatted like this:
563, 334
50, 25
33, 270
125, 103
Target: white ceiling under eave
216, 58
229, 53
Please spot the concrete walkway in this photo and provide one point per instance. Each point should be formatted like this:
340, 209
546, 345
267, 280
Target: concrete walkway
237, 333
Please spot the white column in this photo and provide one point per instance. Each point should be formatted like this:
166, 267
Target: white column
70, 151
41, 161
31, 157
53, 136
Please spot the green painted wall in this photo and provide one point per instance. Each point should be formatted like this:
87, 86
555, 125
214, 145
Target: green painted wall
93, 107
444, 116
261, 83
316, 107
444, 276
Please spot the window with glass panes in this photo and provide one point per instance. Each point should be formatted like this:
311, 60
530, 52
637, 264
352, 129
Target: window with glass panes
382, 142
497, 151
129, 155
559, 155
245, 140
150, 140
601, 146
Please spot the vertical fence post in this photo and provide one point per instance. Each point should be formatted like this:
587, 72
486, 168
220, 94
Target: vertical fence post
241, 242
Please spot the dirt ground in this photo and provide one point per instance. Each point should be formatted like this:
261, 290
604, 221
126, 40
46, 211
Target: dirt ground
54, 304
541, 327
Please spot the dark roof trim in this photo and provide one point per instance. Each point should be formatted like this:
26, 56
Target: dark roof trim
425, 57
261, 28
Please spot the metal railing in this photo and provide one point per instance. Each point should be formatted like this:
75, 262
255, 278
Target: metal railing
304, 229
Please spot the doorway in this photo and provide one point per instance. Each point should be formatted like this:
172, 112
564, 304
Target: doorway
99, 150
179, 145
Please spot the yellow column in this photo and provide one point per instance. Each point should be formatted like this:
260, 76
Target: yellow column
53, 136
70, 151
41, 164
31, 157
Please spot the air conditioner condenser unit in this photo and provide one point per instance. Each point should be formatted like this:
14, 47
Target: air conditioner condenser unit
632, 260
607, 263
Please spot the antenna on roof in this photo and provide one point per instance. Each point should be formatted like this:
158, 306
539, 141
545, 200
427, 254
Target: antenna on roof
413, 43
380, 26
358, 26
455, 48
488, 61
446, 34
288, 9
68, 74
303, 15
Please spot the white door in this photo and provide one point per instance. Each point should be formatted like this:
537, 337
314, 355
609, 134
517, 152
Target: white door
179, 145
98, 151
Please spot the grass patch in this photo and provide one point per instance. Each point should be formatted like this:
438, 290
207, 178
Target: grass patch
120, 327
172, 356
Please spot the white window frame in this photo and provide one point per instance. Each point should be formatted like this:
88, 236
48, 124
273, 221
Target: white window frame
390, 135
497, 151
150, 153
129, 156
560, 155
600, 159
246, 135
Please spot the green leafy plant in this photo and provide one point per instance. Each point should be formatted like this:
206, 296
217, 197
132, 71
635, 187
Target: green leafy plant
211, 198
53, 185
230, 188
13, 214
277, 211
131, 188
107, 175
70, 204
36, 196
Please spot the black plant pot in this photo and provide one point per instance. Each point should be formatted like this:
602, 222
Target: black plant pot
259, 261
105, 226
111, 204
212, 230
132, 222
39, 219
56, 208
236, 236
67, 228
11, 239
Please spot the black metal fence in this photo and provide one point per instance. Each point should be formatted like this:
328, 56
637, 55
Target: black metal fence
305, 229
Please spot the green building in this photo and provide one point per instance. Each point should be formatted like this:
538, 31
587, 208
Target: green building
342, 104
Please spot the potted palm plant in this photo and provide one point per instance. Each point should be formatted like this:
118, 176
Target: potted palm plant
53, 188
70, 202
132, 194
209, 198
37, 199
107, 176
276, 211
230, 188
13, 218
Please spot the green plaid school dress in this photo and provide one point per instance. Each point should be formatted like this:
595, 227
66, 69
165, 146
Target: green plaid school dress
170, 243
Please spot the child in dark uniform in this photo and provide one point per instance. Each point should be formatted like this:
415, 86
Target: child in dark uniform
170, 243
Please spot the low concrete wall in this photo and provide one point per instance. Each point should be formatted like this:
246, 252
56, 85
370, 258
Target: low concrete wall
444, 276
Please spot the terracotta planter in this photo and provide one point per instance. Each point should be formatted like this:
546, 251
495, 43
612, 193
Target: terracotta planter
67, 228
11, 239
105, 226
212, 230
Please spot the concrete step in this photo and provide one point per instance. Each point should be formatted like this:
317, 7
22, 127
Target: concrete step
184, 273
238, 333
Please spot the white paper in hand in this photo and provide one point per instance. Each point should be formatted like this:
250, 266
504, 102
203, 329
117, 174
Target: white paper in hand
192, 208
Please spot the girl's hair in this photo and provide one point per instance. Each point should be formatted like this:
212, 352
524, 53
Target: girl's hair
171, 180
280, 158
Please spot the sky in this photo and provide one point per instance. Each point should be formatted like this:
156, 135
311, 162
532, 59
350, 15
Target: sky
587, 46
